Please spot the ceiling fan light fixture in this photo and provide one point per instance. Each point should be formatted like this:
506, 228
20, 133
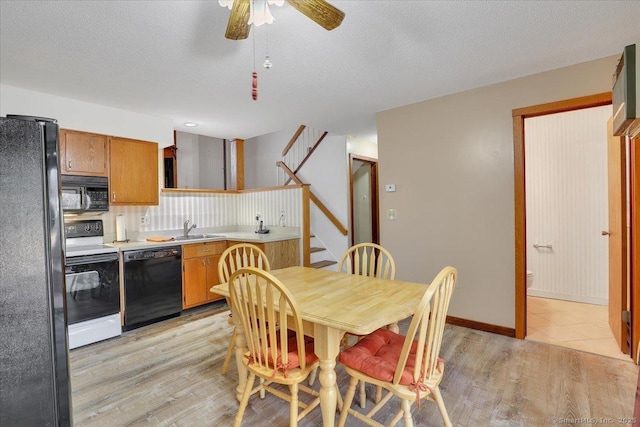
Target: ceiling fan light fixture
259, 13
226, 3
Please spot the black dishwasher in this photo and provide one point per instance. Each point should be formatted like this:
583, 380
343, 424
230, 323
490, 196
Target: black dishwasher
152, 285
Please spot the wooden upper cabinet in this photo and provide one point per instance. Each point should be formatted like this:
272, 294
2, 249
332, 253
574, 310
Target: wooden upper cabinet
133, 172
83, 153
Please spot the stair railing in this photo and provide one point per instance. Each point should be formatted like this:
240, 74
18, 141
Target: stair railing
295, 154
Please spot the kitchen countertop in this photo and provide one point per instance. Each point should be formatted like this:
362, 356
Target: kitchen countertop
242, 236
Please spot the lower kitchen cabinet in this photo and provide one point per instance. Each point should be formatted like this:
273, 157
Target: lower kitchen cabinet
281, 254
200, 272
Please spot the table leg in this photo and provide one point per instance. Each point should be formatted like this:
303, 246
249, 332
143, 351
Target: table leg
327, 347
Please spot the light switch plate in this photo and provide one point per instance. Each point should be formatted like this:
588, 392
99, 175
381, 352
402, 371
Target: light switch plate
390, 188
391, 214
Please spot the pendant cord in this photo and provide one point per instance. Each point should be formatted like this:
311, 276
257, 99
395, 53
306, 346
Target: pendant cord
266, 37
254, 75
254, 47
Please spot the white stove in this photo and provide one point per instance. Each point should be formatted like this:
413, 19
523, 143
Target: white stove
92, 276
85, 238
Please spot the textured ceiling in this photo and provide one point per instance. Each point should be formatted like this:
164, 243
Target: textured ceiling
170, 58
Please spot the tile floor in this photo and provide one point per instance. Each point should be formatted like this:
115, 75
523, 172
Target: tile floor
570, 324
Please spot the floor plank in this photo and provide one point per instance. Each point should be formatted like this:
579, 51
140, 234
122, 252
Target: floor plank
571, 324
168, 374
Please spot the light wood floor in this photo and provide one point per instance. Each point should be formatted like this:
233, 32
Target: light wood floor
572, 324
168, 374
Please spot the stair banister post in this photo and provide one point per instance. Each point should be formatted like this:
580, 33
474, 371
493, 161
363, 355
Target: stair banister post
306, 226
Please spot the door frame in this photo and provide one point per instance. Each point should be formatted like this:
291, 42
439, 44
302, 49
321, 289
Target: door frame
519, 115
375, 217
634, 244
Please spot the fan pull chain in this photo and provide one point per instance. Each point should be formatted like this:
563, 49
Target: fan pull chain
254, 81
267, 63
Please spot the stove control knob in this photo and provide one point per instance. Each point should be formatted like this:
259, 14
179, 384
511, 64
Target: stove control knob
87, 227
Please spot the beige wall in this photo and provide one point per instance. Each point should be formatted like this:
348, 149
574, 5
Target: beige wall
451, 159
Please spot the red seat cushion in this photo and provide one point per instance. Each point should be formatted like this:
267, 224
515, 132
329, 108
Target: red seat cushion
292, 356
377, 355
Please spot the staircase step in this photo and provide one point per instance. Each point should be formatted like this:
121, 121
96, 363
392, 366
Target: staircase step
312, 250
321, 264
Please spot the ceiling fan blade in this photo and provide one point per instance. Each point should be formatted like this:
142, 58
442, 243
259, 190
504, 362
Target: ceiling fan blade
238, 27
319, 11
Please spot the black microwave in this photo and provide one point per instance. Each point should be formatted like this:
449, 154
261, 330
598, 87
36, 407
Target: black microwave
84, 194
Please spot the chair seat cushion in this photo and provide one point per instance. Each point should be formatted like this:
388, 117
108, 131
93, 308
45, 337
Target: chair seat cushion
293, 356
377, 355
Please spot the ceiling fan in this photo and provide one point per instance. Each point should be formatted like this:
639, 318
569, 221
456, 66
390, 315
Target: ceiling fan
321, 12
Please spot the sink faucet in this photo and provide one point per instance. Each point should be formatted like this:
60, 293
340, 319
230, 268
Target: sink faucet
187, 229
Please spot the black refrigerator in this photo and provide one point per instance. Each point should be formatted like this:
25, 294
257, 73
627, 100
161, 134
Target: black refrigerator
34, 364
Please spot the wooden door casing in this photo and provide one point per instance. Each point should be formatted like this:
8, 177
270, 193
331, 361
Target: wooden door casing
616, 159
520, 240
634, 182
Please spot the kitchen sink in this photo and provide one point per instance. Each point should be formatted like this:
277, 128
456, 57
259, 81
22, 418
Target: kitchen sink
190, 237
198, 236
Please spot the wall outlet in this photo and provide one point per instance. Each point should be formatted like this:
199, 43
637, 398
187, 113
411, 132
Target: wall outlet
145, 220
391, 214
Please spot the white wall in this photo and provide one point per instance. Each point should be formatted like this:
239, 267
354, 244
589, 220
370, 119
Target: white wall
260, 157
187, 160
200, 161
451, 159
211, 162
362, 147
327, 171
85, 116
567, 205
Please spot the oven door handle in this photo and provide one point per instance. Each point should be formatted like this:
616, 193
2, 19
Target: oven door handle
91, 259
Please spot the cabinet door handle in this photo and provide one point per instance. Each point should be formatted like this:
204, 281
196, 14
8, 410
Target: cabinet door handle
113, 197
208, 262
69, 165
202, 262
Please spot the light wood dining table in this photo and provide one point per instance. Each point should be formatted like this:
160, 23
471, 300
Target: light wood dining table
331, 304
